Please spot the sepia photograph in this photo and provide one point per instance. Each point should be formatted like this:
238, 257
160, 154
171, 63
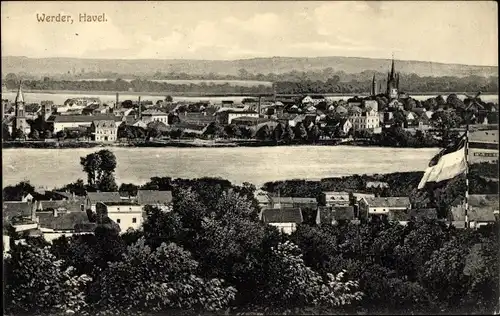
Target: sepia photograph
250, 158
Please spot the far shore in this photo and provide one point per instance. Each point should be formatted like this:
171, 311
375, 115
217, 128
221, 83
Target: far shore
197, 94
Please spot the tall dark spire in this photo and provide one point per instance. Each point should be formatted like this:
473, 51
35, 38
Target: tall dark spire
374, 86
20, 95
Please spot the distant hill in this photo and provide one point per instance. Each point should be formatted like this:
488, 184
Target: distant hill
278, 65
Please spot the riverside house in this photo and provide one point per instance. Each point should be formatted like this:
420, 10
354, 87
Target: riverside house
104, 130
383, 205
286, 220
60, 122
126, 214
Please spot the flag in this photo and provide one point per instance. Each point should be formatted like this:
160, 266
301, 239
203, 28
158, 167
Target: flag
447, 164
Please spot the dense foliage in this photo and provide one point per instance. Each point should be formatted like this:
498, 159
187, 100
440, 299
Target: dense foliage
211, 253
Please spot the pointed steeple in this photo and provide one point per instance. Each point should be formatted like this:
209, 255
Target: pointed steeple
20, 96
374, 86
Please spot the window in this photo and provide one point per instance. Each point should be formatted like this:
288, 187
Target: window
134, 220
118, 221
118, 208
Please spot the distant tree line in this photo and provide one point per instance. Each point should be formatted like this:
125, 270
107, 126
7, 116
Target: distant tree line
294, 82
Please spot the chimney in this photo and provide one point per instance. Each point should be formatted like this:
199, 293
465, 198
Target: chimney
117, 105
55, 213
74, 196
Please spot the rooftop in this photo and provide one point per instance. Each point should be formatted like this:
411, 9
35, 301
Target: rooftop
104, 124
65, 221
150, 197
103, 196
288, 215
82, 118
388, 201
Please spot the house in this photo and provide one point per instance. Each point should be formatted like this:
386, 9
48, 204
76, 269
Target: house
132, 121
93, 198
333, 198
27, 198
263, 198
126, 214
343, 213
482, 210
367, 119
383, 205
104, 130
18, 214
60, 122
313, 100
159, 199
286, 220
55, 224
293, 202
226, 116
196, 118
61, 206
341, 110
154, 115
410, 117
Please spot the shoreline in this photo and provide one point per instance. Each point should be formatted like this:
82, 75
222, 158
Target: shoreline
185, 144
198, 94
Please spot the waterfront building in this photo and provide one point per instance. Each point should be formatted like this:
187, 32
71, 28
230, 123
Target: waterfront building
60, 122
104, 130
366, 118
57, 223
149, 116
226, 116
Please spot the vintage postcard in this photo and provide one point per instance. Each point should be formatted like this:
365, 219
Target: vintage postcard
250, 157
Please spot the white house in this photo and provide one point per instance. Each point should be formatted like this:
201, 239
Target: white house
60, 122
104, 130
149, 116
337, 198
285, 220
383, 205
125, 214
225, 116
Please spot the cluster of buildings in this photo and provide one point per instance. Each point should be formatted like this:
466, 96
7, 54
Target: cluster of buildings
67, 214
286, 213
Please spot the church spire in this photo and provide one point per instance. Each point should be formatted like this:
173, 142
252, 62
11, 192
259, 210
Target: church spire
20, 96
374, 86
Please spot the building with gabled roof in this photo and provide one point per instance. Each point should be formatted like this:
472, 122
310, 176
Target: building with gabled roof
104, 130
383, 205
334, 198
482, 210
286, 220
127, 214
60, 122
92, 198
56, 224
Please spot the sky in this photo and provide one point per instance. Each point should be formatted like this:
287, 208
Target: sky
439, 31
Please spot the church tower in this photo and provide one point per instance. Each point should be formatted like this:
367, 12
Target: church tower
20, 118
392, 83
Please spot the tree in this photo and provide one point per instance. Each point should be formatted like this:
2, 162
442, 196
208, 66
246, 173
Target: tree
129, 188
278, 133
35, 135
288, 134
264, 133
47, 134
314, 133
5, 132
18, 134
61, 135
169, 98
100, 167
36, 282
18, 191
300, 132
159, 280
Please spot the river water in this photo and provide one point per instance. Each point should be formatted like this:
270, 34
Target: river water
257, 165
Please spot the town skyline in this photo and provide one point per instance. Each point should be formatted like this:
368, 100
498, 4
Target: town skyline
465, 33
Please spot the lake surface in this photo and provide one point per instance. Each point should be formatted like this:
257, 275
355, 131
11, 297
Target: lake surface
59, 98
56, 167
